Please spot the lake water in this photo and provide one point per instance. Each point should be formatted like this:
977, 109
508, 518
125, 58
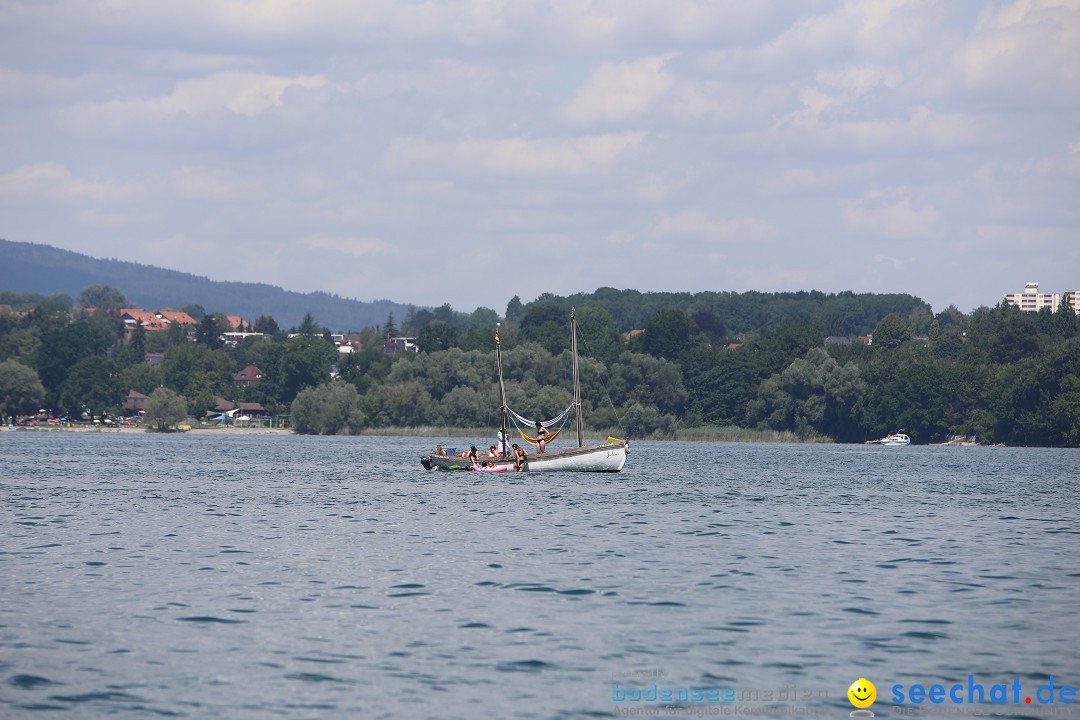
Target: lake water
256, 576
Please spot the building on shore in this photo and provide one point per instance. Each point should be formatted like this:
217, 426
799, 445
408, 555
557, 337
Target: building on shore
1031, 300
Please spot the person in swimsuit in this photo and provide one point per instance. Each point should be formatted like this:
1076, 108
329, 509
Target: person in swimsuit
472, 454
541, 438
520, 457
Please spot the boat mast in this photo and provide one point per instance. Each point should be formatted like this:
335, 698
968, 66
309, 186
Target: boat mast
577, 382
502, 391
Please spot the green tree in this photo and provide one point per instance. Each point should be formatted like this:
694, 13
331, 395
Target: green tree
135, 349
183, 363
405, 404
308, 326
437, 335
641, 421
140, 377
667, 334
891, 332
21, 391
92, 386
598, 335
210, 330
390, 328
547, 324
197, 312
177, 334
266, 325
330, 409
64, 344
164, 409
514, 308
102, 297
1066, 412
305, 362
719, 395
1065, 319
814, 394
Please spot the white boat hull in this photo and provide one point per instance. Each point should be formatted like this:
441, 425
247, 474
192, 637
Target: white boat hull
607, 457
896, 440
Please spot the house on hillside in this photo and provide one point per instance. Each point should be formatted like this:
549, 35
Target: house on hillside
237, 337
221, 405
251, 409
396, 345
133, 317
248, 377
134, 402
176, 316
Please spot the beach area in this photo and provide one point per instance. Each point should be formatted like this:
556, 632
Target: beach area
222, 430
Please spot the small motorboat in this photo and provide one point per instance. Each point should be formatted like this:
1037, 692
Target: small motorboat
893, 440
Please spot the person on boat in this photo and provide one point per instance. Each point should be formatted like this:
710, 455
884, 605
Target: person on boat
520, 458
473, 456
541, 438
491, 452
500, 446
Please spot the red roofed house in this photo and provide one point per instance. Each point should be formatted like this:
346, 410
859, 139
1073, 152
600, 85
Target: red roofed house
248, 377
221, 405
133, 316
251, 409
235, 321
134, 401
176, 316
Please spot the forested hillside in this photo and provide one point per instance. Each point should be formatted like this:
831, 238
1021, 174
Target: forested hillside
706, 360
29, 268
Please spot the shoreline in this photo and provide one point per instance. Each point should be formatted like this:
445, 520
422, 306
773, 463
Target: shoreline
692, 435
130, 430
699, 434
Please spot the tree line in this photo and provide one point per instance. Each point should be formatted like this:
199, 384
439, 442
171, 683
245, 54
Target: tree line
702, 360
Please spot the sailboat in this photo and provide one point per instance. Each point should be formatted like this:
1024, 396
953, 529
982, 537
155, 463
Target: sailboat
608, 456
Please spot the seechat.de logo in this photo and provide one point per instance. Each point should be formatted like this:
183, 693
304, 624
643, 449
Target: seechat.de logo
974, 693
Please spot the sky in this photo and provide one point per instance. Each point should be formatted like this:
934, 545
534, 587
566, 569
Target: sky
465, 152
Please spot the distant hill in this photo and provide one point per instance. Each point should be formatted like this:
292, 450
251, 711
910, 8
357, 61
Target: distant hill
26, 267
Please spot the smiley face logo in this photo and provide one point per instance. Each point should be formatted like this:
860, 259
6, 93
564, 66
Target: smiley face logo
862, 693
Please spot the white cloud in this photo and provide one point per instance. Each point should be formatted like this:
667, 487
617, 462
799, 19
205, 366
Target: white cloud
1026, 45
894, 263
652, 188
246, 94
349, 245
52, 182
513, 156
617, 92
696, 223
215, 184
887, 213
17, 85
